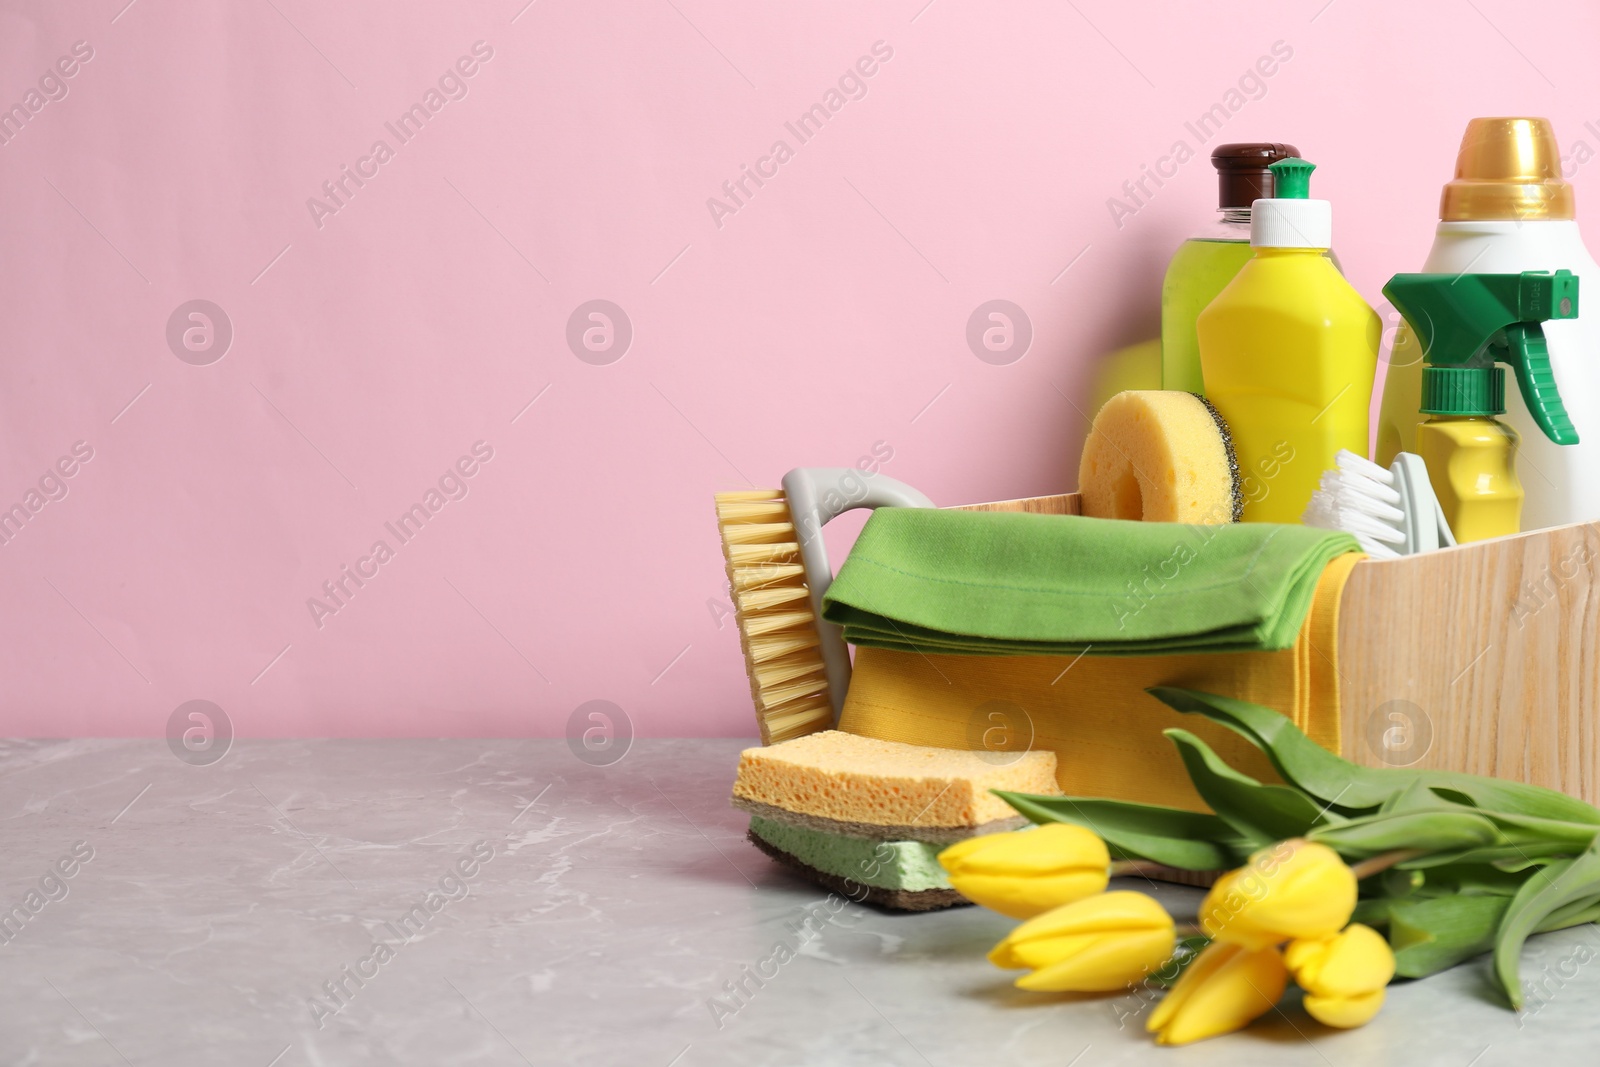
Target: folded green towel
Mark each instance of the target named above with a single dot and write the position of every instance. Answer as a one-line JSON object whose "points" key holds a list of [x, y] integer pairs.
{"points": [[1007, 583]]}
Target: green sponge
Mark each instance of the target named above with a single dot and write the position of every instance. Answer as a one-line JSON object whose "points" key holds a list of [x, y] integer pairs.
{"points": [[907, 865]]}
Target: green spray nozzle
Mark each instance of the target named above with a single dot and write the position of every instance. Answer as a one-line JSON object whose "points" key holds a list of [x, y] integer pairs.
{"points": [[1291, 178], [1467, 323]]}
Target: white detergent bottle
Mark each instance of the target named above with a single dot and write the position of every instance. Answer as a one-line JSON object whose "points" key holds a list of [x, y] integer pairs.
{"points": [[1507, 211]]}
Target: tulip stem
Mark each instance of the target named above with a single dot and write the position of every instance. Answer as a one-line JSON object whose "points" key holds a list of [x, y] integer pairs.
{"points": [[1377, 864]]}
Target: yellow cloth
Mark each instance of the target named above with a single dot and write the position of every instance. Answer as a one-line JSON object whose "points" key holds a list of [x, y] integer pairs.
{"points": [[1093, 712]]}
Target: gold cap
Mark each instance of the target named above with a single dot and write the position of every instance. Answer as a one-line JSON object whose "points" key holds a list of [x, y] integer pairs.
{"points": [[1507, 169]]}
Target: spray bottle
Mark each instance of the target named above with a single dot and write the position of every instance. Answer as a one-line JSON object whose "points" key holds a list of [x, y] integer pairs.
{"points": [[1465, 325], [1508, 210]]}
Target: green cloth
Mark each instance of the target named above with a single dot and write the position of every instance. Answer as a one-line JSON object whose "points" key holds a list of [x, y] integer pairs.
{"points": [[1008, 583]]}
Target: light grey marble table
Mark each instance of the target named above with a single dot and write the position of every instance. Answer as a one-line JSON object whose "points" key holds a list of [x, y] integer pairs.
{"points": [[209, 911]]}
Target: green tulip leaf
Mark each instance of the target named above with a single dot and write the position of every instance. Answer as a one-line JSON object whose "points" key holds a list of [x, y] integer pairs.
{"points": [[1468, 879], [1260, 813], [1351, 788], [1520, 862], [1418, 795], [1524, 838], [1429, 830], [1512, 798], [1298, 759], [1510, 856], [1543, 895], [1373, 912], [1430, 935], [1186, 839], [1577, 913], [1576, 836]]}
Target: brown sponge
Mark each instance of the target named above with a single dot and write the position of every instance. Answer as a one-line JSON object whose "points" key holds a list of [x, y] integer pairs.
{"points": [[1162, 456]]}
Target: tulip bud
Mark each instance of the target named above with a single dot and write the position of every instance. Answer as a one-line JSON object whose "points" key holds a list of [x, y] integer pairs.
{"points": [[1027, 872], [1344, 976], [1095, 945], [1295, 889], [1226, 988]]}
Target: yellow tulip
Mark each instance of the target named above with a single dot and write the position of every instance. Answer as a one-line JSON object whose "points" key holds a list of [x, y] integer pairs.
{"points": [[1095, 945], [1027, 872], [1228, 987], [1344, 976], [1295, 889]]}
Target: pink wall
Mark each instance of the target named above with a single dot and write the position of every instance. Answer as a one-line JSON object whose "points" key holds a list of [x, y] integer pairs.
{"points": [[373, 346]]}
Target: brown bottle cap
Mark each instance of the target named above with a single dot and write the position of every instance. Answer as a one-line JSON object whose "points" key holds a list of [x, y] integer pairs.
{"points": [[1242, 174], [1508, 169]]}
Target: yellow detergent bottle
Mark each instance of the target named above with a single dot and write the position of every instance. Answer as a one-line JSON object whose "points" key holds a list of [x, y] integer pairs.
{"points": [[1472, 463], [1288, 351], [1465, 325]]}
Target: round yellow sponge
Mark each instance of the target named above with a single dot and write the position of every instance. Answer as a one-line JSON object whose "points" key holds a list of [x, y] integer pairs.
{"points": [[1162, 456]]}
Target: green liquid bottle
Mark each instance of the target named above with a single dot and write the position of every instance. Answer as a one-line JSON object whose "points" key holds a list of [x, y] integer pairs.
{"points": [[1201, 268], [1207, 262]]}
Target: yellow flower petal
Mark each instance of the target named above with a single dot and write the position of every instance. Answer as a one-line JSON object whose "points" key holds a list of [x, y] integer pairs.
{"points": [[1120, 910], [1232, 988], [1304, 956], [1356, 962], [1344, 976], [1043, 951], [1105, 962], [1345, 1012], [1025, 897], [1061, 931], [1295, 889], [1212, 957], [1047, 848], [958, 852]]}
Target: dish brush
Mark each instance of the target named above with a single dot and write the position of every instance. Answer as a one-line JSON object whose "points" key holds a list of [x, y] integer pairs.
{"points": [[1392, 511], [778, 572]]}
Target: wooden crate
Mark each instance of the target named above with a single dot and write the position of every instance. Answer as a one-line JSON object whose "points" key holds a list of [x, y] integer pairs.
{"points": [[1482, 658]]}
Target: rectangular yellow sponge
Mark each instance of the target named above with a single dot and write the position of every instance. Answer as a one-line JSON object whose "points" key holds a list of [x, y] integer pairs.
{"points": [[849, 778]]}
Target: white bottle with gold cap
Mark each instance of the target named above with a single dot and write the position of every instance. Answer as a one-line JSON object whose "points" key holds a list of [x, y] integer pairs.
{"points": [[1508, 210]]}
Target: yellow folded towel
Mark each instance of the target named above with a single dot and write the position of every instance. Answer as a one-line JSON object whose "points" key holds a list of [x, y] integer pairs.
{"points": [[1093, 711]]}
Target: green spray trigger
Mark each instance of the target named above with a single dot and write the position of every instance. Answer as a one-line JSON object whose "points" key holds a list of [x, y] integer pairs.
{"points": [[1467, 323]]}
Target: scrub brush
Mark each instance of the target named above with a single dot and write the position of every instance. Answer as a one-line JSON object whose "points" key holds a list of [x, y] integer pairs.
{"points": [[778, 571], [1392, 511]]}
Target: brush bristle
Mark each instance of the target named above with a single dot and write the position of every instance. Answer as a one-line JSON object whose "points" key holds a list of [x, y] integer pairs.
{"points": [[772, 606], [1358, 497]]}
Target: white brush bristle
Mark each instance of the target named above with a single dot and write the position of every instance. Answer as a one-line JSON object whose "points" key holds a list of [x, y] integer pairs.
{"points": [[1359, 498]]}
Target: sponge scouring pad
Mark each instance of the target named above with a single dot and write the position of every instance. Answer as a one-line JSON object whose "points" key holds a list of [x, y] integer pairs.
{"points": [[1161, 456], [885, 784], [867, 818]]}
